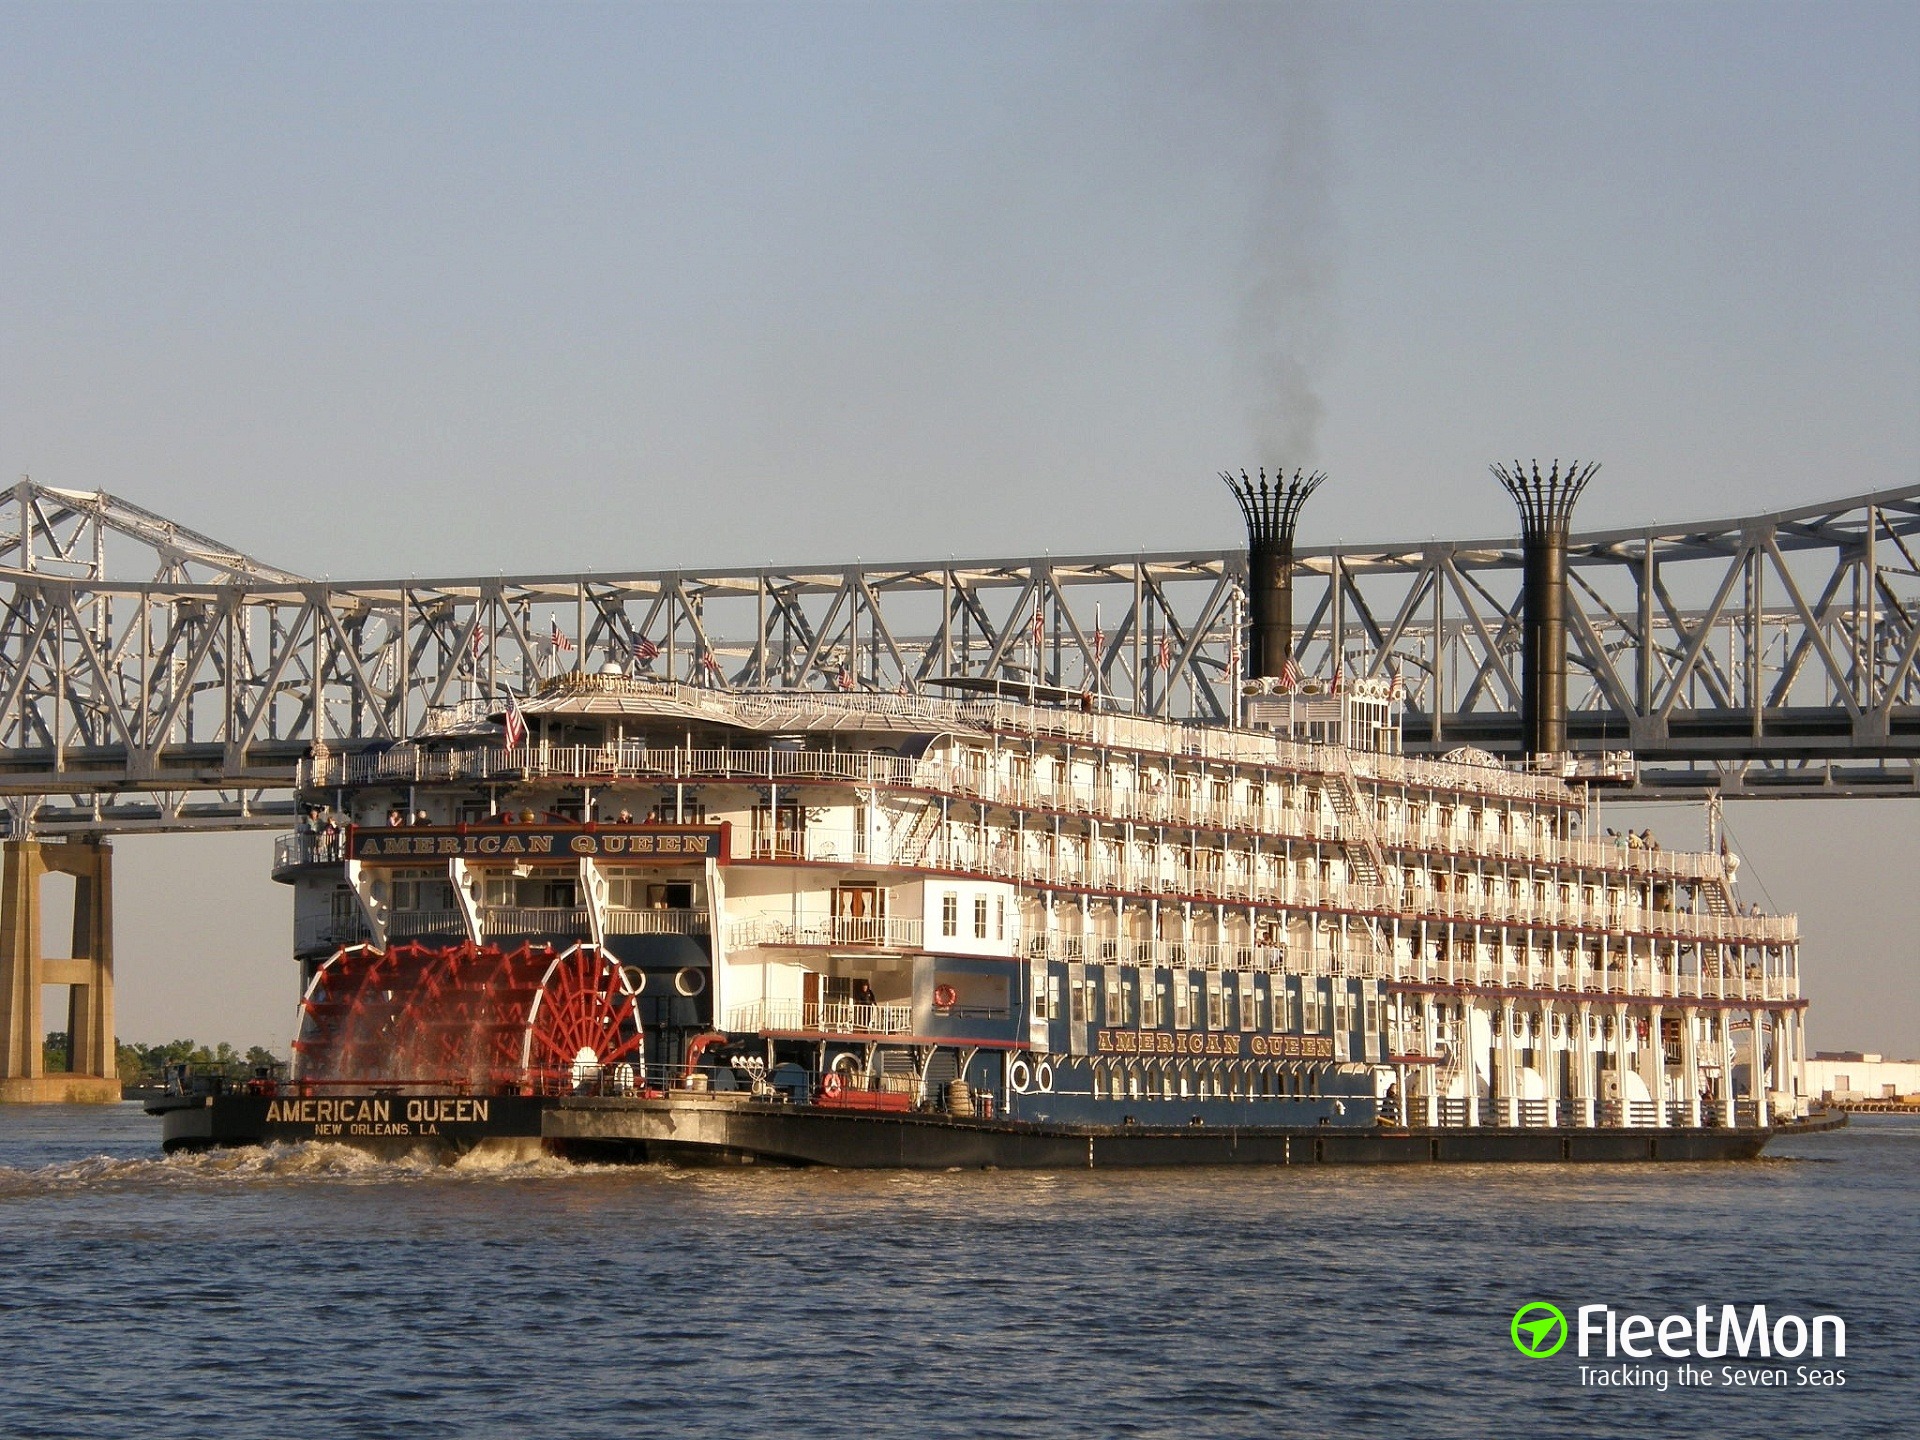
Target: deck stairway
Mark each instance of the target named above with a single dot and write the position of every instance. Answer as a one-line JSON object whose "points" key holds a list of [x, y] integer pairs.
{"points": [[919, 839], [1361, 843]]}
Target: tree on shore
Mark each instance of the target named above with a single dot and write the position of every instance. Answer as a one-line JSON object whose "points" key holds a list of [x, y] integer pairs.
{"points": [[147, 1064]]}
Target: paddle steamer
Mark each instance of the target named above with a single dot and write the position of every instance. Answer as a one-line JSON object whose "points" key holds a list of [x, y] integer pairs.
{"points": [[632, 916]]}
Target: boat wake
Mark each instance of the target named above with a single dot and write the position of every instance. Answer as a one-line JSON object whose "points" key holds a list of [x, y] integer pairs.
{"points": [[317, 1162]]}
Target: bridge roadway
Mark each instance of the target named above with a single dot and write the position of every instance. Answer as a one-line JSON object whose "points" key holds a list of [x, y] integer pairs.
{"points": [[1763, 655]]}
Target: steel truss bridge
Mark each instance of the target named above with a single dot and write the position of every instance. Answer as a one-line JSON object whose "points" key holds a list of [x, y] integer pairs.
{"points": [[1765, 655]]}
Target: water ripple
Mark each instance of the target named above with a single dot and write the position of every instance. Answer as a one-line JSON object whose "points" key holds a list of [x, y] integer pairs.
{"points": [[314, 1291]]}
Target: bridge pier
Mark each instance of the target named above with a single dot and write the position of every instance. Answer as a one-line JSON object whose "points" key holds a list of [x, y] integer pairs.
{"points": [[92, 1074]]}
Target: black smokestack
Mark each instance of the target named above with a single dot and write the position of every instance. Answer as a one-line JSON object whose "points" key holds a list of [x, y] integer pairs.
{"points": [[1546, 514], [1272, 509]]}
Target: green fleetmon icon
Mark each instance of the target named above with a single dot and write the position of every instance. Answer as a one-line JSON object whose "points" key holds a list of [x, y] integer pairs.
{"points": [[1539, 1330]]}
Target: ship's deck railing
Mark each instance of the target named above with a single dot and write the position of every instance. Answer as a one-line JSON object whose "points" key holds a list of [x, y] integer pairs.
{"points": [[826, 1017], [801, 711], [1034, 860], [533, 920], [426, 922], [888, 932], [656, 922], [1152, 801], [1640, 980], [323, 930], [308, 848]]}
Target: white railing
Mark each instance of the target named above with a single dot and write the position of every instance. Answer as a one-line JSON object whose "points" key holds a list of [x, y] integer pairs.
{"points": [[829, 1017], [1148, 800], [426, 922], [304, 848], [533, 920], [312, 932], [656, 922], [881, 932]]}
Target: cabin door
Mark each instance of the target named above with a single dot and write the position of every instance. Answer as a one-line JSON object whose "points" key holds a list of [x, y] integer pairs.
{"points": [[856, 915]]}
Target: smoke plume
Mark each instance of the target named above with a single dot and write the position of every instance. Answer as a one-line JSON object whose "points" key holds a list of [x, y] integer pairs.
{"points": [[1284, 332]]}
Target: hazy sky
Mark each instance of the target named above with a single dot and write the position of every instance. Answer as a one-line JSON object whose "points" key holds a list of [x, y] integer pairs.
{"points": [[468, 289]]}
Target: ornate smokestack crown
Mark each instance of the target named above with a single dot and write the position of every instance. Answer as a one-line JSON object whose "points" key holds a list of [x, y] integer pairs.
{"points": [[1545, 501], [1272, 508]]}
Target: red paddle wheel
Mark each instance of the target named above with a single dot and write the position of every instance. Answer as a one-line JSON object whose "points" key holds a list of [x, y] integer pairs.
{"points": [[467, 1018]]}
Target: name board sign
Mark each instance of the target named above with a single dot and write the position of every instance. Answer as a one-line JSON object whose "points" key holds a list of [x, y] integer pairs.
{"points": [[459, 1119], [1160, 1042], [656, 844]]}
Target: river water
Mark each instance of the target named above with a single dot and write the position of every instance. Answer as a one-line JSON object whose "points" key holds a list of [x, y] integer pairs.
{"points": [[314, 1292]]}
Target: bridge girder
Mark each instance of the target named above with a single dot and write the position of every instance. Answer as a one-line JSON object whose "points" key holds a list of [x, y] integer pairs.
{"points": [[1770, 654]]}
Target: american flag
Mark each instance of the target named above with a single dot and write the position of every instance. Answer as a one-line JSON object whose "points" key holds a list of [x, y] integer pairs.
{"points": [[1398, 688], [516, 724], [1289, 674], [479, 642], [1339, 679], [1163, 657], [644, 649], [709, 662], [1039, 625], [560, 642], [845, 680]]}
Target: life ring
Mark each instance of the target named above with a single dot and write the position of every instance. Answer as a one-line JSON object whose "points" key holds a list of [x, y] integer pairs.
{"points": [[1020, 1076], [1043, 1077], [944, 996], [833, 1084], [690, 981]]}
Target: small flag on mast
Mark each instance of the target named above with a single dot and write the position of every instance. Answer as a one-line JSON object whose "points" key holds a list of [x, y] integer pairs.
{"points": [[516, 724], [1289, 674], [560, 641], [645, 650]]}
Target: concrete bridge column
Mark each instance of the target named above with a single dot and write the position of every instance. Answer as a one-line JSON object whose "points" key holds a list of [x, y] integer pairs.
{"points": [[92, 1073]]}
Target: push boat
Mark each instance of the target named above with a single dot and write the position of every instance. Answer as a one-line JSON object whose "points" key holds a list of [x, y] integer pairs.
{"points": [[635, 918]]}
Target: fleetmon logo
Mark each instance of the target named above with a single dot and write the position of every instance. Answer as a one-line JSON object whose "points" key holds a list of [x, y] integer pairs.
{"points": [[1539, 1330]]}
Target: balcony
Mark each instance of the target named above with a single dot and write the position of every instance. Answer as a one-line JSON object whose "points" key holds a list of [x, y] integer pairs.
{"points": [[501, 921], [657, 922], [865, 931], [450, 924], [328, 932], [827, 1017], [299, 850]]}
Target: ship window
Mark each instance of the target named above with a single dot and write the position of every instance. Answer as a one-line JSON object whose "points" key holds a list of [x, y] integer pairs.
{"points": [[1216, 1003], [950, 913], [1000, 918], [1079, 1012], [979, 917]]}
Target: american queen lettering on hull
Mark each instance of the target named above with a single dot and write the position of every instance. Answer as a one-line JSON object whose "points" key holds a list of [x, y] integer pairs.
{"points": [[846, 927]]}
